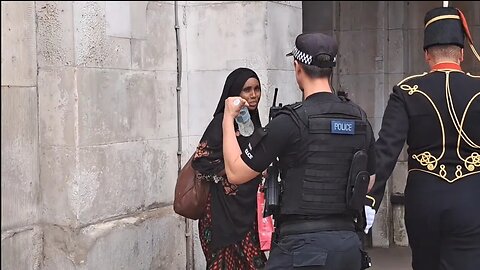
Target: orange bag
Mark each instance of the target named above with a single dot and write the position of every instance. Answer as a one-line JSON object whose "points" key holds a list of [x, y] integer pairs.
{"points": [[265, 225]]}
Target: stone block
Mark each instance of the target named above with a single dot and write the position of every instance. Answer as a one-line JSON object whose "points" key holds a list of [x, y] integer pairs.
{"points": [[22, 250], [362, 59], [396, 51], [108, 182], [93, 47], [166, 104], [159, 50], [361, 90], [404, 154], [57, 106], [117, 16], [414, 51], [151, 240], [204, 91], [55, 44], [190, 145], [382, 225], [396, 14], [159, 163], [236, 36], [20, 170], [57, 175], [199, 257], [318, 16], [19, 50], [109, 111], [288, 91], [358, 15], [138, 11], [118, 179], [400, 237], [284, 23], [399, 177], [295, 4]]}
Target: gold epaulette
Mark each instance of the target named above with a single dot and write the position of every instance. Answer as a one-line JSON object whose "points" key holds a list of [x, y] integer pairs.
{"points": [[411, 77]]}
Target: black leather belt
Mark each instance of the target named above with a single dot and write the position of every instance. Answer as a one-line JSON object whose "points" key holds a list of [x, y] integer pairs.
{"points": [[318, 225]]}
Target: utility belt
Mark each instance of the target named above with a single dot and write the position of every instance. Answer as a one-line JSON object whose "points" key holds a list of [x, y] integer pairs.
{"points": [[333, 223]]}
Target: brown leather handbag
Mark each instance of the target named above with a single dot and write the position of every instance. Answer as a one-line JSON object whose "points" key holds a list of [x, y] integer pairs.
{"points": [[191, 193]]}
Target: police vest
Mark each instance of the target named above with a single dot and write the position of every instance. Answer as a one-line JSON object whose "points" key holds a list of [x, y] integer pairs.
{"points": [[315, 183]]}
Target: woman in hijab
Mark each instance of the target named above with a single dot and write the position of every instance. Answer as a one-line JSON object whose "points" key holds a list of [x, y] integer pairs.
{"points": [[228, 230]]}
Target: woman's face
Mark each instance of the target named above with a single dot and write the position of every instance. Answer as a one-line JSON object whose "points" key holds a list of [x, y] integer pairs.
{"points": [[251, 93]]}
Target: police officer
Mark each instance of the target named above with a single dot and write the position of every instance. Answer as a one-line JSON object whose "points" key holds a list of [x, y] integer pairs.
{"points": [[438, 114], [315, 142]]}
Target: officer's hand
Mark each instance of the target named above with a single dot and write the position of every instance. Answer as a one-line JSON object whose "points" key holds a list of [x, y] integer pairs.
{"points": [[369, 216], [233, 106]]}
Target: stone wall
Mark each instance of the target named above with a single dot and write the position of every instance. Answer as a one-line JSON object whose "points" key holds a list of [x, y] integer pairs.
{"points": [[89, 121]]}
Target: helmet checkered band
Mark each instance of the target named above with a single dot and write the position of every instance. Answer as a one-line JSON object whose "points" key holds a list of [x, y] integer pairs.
{"points": [[301, 56]]}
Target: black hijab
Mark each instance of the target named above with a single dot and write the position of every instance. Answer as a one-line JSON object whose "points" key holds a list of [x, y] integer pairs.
{"points": [[212, 139], [232, 215]]}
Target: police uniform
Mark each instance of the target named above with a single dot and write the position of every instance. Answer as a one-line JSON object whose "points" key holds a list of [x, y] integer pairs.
{"points": [[438, 115], [315, 141]]}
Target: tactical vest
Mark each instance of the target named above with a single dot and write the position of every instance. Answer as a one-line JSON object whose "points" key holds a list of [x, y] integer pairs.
{"points": [[315, 183]]}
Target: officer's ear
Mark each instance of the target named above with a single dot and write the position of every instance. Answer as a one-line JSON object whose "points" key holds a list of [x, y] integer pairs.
{"points": [[461, 55], [297, 68], [428, 57]]}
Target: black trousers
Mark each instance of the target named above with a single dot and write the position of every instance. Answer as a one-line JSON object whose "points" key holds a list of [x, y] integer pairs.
{"points": [[326, 250], [443, 222]]}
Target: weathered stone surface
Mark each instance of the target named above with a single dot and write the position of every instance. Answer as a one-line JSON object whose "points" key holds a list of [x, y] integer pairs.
{"points": [[20, 183], [158, 51], [55, 45], [93, 47], [399, 177], [204, 91], [57, 106], [212, 43], [151, 240], [138, 11], [400, 237], [282, 27], [381, 234], [361, 89], [22, 249], [19, 57], [57, 173], [109, 111], [360, 15], [360, 58], [117, 17]]}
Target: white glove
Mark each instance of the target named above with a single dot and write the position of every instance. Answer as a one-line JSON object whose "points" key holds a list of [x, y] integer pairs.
{"points": [[369, 216]]}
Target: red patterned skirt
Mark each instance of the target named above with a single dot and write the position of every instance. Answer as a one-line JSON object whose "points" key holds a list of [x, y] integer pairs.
{"points": [[244, 255]]}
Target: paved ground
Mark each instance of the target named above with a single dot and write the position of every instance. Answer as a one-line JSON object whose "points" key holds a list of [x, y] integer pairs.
{"points": [[393, 258]]}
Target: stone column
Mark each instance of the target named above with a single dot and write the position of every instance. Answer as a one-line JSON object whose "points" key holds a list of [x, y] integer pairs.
{"points": [[21, 233]]}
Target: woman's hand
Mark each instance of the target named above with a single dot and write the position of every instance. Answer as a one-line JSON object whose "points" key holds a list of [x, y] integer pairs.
{"points": [[233, 106]]}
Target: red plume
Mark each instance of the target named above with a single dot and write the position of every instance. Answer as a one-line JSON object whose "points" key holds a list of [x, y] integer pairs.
{"points": [[465, 26]]}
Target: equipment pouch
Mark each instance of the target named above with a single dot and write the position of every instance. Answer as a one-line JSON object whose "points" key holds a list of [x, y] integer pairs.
{"points": [[358, 180]]}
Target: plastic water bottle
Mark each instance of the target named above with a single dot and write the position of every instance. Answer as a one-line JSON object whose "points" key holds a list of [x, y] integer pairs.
{"points": [[245, 124]]}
